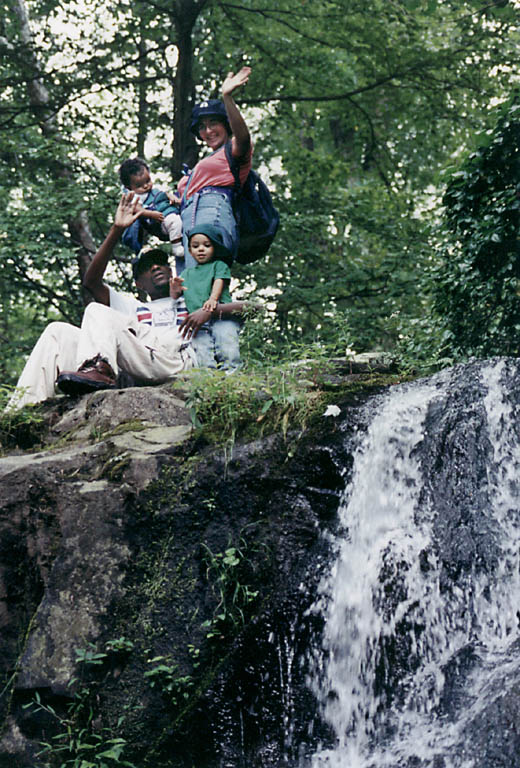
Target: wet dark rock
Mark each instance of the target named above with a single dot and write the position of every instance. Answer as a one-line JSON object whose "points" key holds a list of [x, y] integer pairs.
{"points": [[126, 529], [118, 528], [456, 673], [494, 736]]}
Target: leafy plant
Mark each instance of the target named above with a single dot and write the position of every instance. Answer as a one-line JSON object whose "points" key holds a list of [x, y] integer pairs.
{"points": [[254, 400], [81, 747], [22, 427], [79, 741], [164, 674], [120, 645], [224, 571], [89, 655]]}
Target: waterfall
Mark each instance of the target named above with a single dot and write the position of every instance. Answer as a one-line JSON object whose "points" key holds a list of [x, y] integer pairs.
{"points": [[416, 645]]}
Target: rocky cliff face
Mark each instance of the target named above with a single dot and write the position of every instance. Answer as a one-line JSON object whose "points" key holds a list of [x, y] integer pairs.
{"points": [[159, 598], [150, 586]]}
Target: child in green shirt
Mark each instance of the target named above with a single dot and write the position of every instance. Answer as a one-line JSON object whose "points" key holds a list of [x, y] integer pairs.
{"points": [[204, 286]]}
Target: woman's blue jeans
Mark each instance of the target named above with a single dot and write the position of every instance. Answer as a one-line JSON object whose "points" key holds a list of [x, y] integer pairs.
{"points": [[209, 206]]}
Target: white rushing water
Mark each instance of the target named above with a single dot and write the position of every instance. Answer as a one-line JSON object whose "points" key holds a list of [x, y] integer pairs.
{"points": [[382, 551]]}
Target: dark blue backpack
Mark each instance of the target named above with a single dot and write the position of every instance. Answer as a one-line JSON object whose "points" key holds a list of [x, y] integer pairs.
{"points": [[256, 216]]}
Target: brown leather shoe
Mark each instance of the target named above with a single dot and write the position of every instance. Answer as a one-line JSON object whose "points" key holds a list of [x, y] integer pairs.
{"points": [[92, 375]]}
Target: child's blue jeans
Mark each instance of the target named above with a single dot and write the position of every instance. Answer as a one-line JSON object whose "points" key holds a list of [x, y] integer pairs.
{"points": [[218, 345]]}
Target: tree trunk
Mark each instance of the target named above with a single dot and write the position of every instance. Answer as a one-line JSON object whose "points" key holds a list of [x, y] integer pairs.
{"points": [[184, 144], [142, 104], [78, 225]]}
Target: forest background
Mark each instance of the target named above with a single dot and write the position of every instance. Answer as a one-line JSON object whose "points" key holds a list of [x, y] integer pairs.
{"points": [[386, 129]]}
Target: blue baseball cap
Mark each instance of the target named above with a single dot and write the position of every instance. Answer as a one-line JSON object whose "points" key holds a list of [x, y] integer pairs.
{"points": [[209, 108]]}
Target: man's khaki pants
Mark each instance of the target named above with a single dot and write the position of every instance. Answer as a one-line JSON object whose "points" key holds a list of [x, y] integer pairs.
{"points": [[128, 345]]}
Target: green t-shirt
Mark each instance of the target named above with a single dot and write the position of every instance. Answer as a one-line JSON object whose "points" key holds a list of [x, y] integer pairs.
{"points": [[198, 282]]}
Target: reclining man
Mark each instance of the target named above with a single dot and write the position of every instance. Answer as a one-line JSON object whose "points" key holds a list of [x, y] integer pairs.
{"points": [[150, 340]]}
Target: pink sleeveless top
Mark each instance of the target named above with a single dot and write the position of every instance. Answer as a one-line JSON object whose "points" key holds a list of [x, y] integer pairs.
{"points": [[213, 171]]}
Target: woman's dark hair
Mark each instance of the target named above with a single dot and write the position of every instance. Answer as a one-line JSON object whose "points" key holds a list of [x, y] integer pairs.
{"points": [[131, 167]]}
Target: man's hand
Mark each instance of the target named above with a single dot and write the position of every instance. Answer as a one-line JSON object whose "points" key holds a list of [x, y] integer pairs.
{"points": [[176, 288], [191, 326], [128, 210]]}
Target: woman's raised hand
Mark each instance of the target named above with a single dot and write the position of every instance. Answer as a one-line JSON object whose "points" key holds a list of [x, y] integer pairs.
{"points": [[235, 81]]}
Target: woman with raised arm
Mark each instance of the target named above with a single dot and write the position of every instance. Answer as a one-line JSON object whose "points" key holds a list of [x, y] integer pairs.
{"points": [[208, 190]]}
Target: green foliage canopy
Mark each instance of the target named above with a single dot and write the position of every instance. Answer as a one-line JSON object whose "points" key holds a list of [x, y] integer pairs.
{"points": [[477, 283], [355, 108]]}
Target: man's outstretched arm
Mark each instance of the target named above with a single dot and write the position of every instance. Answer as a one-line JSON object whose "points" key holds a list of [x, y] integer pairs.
{"points": [[191, 325], [128, 210]]}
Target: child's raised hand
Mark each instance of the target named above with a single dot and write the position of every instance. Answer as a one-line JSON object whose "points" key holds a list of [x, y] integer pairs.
{"points": [[210, 305], [176, 287]]}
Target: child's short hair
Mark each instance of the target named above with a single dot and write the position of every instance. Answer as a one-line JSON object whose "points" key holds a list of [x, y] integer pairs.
{"points": [[131, 167]]}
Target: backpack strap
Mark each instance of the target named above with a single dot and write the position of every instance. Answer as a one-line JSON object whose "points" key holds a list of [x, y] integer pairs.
{"points": [[234, 167], [189, 173], [151, 200], [184, 198]]}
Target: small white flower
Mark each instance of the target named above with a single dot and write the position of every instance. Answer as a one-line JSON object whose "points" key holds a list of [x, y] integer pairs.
{"points": [[332, 410]]}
